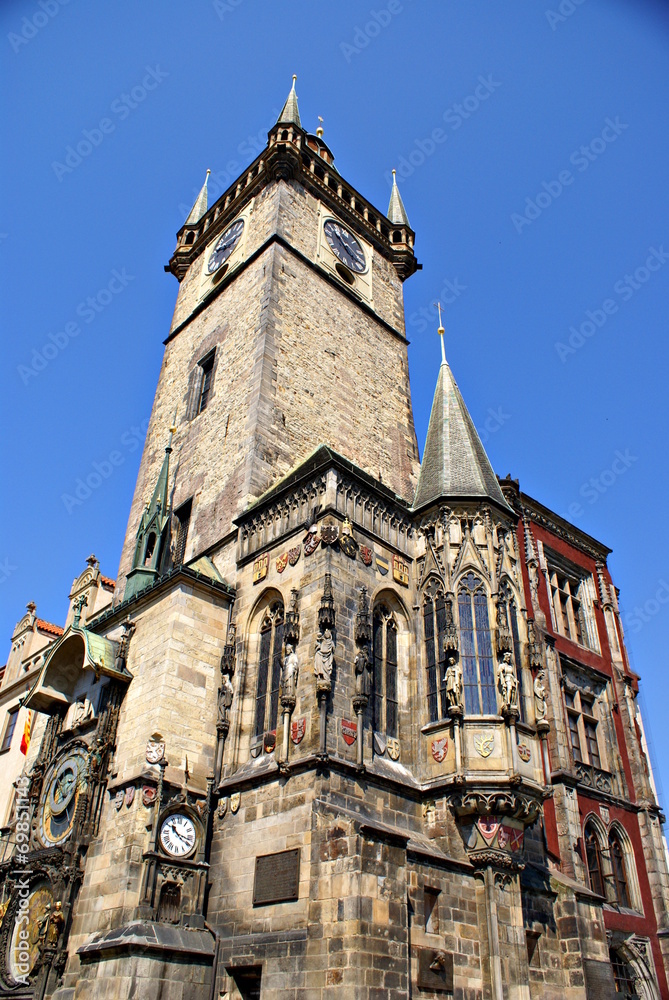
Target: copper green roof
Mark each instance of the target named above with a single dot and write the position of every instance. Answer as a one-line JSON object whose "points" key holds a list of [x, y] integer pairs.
{"points": [[454, 461]]}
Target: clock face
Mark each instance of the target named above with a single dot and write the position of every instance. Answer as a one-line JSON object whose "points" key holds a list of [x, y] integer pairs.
{"points": [[225, 246], [177, 835], [345, 246], [62, 787], [23, 945]]}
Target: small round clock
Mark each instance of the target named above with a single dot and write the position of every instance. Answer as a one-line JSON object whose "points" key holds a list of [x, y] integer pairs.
{"points": [[62, 787], [225, 246], [177, 835], [345, 246]]}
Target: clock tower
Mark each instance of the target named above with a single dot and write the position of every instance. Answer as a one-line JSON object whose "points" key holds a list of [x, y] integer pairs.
{"points": [[352, 726]]}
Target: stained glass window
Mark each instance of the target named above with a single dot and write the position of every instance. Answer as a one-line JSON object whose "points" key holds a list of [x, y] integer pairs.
{"points": [[476, 648]]}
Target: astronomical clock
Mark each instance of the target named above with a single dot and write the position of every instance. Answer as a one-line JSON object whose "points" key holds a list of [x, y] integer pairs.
{"points": [[58, 805]]}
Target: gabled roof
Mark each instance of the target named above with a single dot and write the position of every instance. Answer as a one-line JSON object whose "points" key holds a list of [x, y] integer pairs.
{"points": [[48, 627], [454, 461]]}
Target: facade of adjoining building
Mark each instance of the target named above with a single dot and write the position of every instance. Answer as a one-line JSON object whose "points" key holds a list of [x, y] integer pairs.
{"points": [[353, 725]]}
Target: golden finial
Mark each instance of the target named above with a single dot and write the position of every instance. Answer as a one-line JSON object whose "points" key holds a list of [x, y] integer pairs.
{"points": [[319, 130], [207, 177], [441, 333], [173, 426]]}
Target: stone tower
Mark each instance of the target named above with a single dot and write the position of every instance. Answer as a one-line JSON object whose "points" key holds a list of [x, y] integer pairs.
{"points": [[353, 726]]}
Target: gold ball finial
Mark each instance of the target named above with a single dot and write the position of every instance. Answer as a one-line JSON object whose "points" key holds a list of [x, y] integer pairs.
{"points": [[294, 78], [394, 172], [441, 332], [319, 130], [208, 171]]}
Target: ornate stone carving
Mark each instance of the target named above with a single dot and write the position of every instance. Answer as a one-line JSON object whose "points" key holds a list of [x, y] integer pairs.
{"points": [[289, 676], [508, 682], [453, 682], [324, 659], [326, 611], [291, 628], [539, 697]]}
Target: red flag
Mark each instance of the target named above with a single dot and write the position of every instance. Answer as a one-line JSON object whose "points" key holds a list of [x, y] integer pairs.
{"points": [[25, 739]]}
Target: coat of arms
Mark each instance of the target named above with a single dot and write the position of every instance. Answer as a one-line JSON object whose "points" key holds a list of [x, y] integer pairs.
{"points": [[223, 804], [256, 746], [515, 838], [524, 752], [297, 730], [311, 542], [380, 744], [382, 565], [440, 749], [235, 800], [294, 555], [348, 545], [155, 751], [393, 748], [260, 567], [488, 827], [129, 795], [149, 794], [269, 741], [401, 571], [329, 533], [282, 562], [349, 731], [484, 744], [118, 798], [366, 554]]}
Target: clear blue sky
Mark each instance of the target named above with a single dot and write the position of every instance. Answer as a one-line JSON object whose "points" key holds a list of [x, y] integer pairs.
{"points": [[514, 90]]}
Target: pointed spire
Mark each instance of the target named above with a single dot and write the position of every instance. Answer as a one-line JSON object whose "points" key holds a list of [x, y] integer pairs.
{"points": [[290, 114], [200, 206], [396, 210], [454, 461]]}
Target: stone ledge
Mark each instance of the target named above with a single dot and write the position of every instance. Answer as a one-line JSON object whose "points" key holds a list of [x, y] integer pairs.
{"points": [[144, 935]]}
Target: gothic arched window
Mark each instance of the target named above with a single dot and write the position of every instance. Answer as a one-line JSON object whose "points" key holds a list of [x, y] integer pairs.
{"points": [[478, 673], [594, 859], [435, 620], [624, 976], [385, 671], [269, 668], [617, 855]]}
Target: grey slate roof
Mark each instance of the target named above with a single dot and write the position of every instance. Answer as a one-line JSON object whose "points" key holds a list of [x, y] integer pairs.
{"points": [[396, 210], [454, 461], [200, 206], [290, 113]]}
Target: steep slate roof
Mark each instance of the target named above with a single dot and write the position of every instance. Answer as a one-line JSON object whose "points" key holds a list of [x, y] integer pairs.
{"points": [[454, 461], [396, 210], [290, 114], [200, 205]]}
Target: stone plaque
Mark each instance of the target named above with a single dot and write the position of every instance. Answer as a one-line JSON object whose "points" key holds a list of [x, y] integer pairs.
{"points": [[599, 984], [277, 878], [435, 970]]}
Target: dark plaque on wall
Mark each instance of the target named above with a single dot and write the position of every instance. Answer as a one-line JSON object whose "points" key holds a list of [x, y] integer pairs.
{"points": [[435, 970], [277, 878], [599, 984]]}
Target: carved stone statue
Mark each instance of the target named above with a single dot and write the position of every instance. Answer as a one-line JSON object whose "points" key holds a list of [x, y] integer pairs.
{"points": [[225, 694], [81, 711], [539, 697], [324, 657], [54, 926], [508, 682], [363, 673], [453, 682], [95, 758], [290, 673]]}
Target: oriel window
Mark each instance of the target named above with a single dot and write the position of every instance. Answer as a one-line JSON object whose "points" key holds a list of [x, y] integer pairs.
{"points": [[434, 628], [269, 669], [478, 673]]}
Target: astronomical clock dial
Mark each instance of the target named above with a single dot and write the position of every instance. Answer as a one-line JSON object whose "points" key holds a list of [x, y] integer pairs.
{"points": [[177, 835], [63, 785], [345, 246], [23, 945], [225, 246]]}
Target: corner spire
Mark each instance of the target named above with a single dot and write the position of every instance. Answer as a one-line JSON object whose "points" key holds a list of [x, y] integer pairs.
{"points": [[200, 206], [290, 114], [396, 210], [454, 461]]}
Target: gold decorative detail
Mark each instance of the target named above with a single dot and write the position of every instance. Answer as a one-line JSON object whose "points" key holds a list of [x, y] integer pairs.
{"points": [[484, 744]]}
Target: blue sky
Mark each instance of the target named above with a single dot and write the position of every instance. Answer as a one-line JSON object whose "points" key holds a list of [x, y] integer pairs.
{"points": [[531, 146]]}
